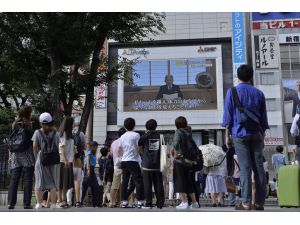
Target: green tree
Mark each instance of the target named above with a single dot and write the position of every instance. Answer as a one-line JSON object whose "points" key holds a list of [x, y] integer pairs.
{"points": [[57, 40]]}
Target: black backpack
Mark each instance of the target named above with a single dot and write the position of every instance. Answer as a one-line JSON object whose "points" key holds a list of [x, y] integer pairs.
{"points": [[78, 143], [193, 153], [49, 150], [19, 139]]}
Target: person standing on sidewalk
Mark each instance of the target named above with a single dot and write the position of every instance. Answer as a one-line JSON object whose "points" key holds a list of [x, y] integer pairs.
{"points": [[183, 174], [46, 176], [246, 124], [116, 184], [149, 145], [90, 178], [66, 146], [22, 161], [128, 148]]}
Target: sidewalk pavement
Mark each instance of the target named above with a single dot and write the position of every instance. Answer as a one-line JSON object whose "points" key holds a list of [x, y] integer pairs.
{"points": [[165, 209]]}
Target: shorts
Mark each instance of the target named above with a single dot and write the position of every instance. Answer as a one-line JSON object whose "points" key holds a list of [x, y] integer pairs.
{"points": [[77, 174], [107, 188], [116, 184]]}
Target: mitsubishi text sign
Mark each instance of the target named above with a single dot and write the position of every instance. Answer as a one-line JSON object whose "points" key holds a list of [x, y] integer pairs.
{"points": [[238, 43]]}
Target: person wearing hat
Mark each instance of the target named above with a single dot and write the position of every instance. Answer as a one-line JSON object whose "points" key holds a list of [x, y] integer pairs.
{"points": [[90, 179], [46, 176]]}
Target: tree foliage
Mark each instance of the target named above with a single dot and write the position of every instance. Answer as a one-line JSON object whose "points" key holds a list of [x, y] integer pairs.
{"points": [[36, 49]]}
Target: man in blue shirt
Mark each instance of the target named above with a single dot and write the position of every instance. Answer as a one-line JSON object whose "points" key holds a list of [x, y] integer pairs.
{"points": [[248, 144]]}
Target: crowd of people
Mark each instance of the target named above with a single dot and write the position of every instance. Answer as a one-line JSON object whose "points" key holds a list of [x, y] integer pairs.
{"points": [[127, 172]]}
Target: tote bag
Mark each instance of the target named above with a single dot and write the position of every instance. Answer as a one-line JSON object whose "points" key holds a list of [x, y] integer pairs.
{"points": [[163, 155]]}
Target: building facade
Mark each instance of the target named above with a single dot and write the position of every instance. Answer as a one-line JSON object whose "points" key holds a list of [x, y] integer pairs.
{"points": [[196, 50], [276, 60]]}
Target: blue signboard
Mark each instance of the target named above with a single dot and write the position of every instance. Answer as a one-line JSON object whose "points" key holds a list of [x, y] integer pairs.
{"points": [[259, 16], [238, 37], [238, 42]]}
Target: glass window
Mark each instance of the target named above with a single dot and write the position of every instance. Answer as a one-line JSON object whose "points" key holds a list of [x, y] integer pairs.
{"points": [[159, 69], [142, 73], [178, 68]]}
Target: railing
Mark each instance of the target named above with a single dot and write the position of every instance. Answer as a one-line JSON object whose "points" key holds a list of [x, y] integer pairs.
{"points": [[4, 173]]}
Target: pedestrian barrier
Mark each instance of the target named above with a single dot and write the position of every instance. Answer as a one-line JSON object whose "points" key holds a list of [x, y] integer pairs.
{"points": [[4, 173]]}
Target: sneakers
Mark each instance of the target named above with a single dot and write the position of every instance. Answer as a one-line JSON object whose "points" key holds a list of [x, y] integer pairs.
{"points": [[78, 205], [53, 206], [140, 204], [125, 204], [183, 205], [38, 206], [194, 206]]}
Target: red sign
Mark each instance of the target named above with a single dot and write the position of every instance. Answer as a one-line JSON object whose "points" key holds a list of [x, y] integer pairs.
{"points": [[276, 24]]}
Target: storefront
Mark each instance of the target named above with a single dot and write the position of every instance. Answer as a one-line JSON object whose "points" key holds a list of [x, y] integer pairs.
{"points": [[276, 54]]}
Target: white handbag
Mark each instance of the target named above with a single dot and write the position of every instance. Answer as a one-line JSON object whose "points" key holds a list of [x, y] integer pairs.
{"points": [[163, 155], [213, 155]]}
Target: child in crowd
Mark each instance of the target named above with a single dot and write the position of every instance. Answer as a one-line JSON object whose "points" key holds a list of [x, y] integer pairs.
{"points": [[90, 179], [106, 173]]}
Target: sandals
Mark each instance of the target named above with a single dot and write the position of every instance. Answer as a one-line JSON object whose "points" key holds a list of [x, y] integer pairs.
{"points": [[242, 207], [258, 207]]}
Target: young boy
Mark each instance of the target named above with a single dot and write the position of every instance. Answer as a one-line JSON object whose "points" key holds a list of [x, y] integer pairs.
{"points": [[279, 159], [90, 179], [106, 173], [149, 145], [128, 148]]}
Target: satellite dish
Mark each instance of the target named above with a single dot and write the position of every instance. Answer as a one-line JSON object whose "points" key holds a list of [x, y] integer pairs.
{"points": [[204, 80]]}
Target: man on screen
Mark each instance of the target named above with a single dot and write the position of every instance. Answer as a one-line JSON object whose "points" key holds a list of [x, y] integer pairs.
{"points": [[169, 91]]}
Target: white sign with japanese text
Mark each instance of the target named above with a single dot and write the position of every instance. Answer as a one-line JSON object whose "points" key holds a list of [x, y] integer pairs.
{"points": [[289, 38], [100, 99], [266, 51]]}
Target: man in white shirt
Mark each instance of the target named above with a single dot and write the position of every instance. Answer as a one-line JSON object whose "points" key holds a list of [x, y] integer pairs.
{"points": [[128, 147]]}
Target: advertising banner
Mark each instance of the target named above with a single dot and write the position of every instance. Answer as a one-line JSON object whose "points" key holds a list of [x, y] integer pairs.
{"points": [[266, 51], [238, 43]]}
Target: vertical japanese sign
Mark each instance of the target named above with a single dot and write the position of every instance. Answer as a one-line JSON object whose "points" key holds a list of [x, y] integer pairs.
{"points": [[266, 51], [100, 93], [238, 43]]}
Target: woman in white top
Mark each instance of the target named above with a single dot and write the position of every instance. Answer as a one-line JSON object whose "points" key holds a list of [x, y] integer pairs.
{"points": [[66, 148]]}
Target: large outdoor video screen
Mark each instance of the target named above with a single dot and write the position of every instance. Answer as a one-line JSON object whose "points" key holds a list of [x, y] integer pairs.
{"points": [[175, 84]]}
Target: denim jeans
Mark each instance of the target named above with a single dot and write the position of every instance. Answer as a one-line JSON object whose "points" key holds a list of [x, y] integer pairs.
{"points": [[232, 199], [249, 152], [14, 183]]}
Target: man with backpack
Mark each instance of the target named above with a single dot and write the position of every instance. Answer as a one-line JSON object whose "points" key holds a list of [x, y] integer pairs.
{"points": [[245, 120]]}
